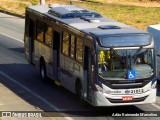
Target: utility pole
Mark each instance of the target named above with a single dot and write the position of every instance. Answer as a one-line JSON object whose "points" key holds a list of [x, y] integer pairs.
{"points": [[42, 2]]}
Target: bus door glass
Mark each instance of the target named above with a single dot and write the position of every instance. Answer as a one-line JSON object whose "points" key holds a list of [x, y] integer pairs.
{"points": [[88, 67], [56, 48]]}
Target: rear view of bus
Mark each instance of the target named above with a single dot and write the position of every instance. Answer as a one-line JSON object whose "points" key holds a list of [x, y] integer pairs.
{"points": [[126, 68]]}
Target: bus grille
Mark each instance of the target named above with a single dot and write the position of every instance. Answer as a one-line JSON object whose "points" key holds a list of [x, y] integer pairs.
{"points": [[126, 85]]}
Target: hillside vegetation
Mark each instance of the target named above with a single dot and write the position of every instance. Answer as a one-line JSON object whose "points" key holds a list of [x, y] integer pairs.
{"points": [[137, 13]]}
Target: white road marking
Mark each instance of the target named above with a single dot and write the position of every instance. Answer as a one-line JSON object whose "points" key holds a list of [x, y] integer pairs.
{"points": [[12, 37], [156, 106], [36, 95]]}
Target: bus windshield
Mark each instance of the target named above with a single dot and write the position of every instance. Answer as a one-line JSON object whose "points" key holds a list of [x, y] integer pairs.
{"points": [[114, 64]]}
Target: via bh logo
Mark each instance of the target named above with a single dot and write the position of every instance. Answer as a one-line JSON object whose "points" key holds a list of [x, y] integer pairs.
{"points": [[131, 74]]}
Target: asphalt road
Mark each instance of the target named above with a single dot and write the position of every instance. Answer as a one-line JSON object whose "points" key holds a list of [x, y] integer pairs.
{"points": [[24, 80], [12, 26]]}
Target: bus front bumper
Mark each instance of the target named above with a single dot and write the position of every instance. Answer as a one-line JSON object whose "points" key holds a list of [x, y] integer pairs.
{"points": [[103, 99]]}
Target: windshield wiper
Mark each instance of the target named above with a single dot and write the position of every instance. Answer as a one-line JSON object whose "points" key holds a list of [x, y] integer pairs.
{"points": [[137, 52]]}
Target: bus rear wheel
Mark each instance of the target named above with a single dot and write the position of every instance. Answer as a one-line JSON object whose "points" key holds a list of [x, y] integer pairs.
{"points": [[43, 71]]}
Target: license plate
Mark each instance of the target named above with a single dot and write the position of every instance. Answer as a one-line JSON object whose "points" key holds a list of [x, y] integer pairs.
{"points": [[127, 98]]}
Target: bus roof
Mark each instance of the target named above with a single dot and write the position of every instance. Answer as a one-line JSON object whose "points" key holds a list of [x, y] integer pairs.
{"points": [[85, 20]]}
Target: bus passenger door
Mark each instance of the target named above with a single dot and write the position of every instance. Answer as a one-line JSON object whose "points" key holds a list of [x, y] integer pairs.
{"points": [[88, 69], [31, 40], [56, 48]]}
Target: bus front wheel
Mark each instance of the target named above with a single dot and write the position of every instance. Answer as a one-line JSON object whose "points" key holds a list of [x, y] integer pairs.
{"points": [[80, 95]]}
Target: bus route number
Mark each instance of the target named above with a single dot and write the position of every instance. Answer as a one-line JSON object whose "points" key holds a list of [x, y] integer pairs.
{"points": [[137, 91]]}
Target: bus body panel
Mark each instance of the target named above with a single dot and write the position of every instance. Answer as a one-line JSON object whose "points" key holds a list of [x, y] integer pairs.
{"points": [[69, 72], [26, 45], [45, 52], [155, 31]]}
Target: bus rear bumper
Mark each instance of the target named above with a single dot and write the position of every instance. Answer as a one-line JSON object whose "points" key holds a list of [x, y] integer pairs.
{"points": [[103, 100]]}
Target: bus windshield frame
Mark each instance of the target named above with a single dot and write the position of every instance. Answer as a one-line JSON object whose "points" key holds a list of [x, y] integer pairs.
{"points": [[113, 64]]}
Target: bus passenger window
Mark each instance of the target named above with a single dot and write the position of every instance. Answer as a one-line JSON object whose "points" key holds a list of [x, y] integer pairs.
{"points": [[79, 50], [65, 43], [48, 35], [40, 31]]}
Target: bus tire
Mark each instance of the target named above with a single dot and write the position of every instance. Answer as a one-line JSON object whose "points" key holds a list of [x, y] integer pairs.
{"points": [[43, 71], [79, 93]]}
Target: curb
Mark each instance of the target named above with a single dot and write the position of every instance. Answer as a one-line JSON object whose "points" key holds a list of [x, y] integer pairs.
{"points": [[14, 14]]}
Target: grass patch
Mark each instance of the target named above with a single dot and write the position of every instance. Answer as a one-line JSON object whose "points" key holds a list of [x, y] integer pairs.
{"points": [[136, 16], [15, 6], [139, 17]]}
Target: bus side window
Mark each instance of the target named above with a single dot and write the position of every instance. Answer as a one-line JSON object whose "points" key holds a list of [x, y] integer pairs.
{"points": [[65, 43], [40, 31], [48, 35], [79, 49]]}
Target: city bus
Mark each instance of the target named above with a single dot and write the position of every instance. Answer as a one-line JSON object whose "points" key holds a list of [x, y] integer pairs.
{"points": [[102, 61]]}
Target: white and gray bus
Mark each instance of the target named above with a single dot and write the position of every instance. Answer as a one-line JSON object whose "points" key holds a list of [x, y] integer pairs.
{"points": [[104, 62]]}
